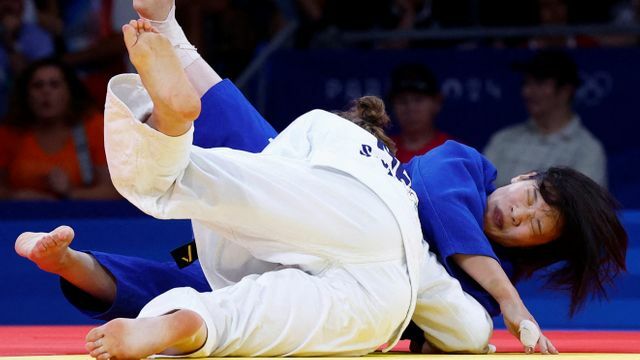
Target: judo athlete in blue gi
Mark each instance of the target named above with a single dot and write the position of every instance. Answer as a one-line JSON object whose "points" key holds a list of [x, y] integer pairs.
{"points": [[459, 210]]}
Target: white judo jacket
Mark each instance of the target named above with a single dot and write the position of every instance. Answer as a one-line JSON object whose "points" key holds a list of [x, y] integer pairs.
{"points": [[160, 175]]}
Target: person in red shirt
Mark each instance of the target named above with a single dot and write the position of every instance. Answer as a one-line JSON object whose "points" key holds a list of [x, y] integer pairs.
{"points": [[52, 145], [416, 101]]}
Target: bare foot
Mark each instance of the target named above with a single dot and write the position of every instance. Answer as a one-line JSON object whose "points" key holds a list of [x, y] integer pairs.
{"points": [[176, 103], [156, 10], [178, 333], [50, 251]]}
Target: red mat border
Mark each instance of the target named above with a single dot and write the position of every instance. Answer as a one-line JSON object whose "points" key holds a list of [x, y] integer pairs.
{"points": [[69, 340]]}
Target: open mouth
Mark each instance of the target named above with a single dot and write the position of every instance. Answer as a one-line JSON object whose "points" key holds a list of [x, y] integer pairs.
{"points": [[498, 218]]}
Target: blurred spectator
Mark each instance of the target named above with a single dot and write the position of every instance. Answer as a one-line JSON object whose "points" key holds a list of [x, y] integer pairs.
{"points": [[508, 13], [557, 13], [227, 32], [625, 13], [88, 37], [52, 146], [554, 134], [21, 41], [428, 14], [416, 101], [319, 19]]}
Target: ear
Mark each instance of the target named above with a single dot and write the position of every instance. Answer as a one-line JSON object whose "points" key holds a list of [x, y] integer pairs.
{"points": [[522, 177]]}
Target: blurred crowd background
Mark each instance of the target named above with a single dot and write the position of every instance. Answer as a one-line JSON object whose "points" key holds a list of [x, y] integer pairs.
{"points": [[532, 83]]}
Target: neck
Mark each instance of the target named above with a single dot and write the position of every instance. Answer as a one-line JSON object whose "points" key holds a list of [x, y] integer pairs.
{"points": [[554, 121]]}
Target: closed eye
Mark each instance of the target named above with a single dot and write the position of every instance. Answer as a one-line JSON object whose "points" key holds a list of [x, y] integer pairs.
{"points": [[539, 227]]}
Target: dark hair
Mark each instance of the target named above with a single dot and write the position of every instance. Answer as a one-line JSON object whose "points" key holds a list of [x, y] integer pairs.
{"points": [[551, 64], [592, 246], [413, 77], [368, 113], [20, 113]]}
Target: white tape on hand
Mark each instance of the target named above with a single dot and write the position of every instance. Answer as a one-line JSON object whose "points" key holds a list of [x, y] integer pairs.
{"points": [[529, 334]]}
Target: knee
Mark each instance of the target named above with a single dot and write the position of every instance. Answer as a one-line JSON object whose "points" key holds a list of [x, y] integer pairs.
{"points": [[477, 339], [472, 337]]}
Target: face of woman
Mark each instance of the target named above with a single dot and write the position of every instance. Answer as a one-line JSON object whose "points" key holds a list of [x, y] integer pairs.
{"points": [[48, 93], [518, 216], [416, 111]]}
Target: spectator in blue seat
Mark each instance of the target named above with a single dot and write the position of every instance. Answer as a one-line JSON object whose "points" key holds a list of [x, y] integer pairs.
{"points": [[554, 134]]}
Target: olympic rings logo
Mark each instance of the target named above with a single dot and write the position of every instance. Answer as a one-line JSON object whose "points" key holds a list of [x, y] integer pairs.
{"points": [[595, 88]]}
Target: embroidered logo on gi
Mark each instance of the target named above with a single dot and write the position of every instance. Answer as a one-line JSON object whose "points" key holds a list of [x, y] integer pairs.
{"points": [[393, 166], [185, 255], [389, 162]]}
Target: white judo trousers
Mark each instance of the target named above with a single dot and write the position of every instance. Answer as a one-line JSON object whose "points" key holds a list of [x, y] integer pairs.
{"points": [[313, 246]]}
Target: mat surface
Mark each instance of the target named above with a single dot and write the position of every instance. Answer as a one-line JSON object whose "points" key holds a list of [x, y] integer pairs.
{"points": [[402, 356], [69, 340]]}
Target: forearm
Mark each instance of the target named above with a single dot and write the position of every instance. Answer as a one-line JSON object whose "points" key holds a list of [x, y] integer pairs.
{"points": [[488, 273]]}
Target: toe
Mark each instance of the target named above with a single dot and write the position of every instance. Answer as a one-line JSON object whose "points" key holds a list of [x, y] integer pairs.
{"points": [[22, 243], [49, 240], [42, 244], [90, 346], [64, 231], [96, 353], [146, 25], [104, 356], [95, 334], [130, 34]]}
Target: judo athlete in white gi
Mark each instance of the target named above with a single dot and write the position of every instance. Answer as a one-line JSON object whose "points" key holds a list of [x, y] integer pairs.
{"points": [[324, 208]]}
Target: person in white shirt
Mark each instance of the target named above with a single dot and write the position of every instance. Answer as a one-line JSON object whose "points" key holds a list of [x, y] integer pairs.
{"points": [[554, 134]]}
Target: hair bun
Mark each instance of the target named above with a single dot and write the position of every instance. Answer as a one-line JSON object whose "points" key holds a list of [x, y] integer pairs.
{"points": [[371, 110], [368, 113]]}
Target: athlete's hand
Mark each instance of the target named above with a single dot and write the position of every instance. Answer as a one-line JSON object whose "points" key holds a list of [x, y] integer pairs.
{"points": [[523, 326], [546, 347]]}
